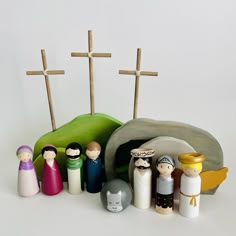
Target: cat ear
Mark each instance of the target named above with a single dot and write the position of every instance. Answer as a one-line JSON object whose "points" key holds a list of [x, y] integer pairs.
{"points": [[108, 193], [119, 193]]}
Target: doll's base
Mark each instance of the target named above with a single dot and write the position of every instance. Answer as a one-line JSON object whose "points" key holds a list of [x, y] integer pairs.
{"points": [[163, 211]]}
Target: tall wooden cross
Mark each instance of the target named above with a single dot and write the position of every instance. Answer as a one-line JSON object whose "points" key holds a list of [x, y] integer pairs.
{"points": [[90, 54], [137, 74], [46, 74]]}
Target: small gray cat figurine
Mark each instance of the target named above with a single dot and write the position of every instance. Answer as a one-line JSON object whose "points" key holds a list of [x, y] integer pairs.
{"points": [[114, 203], [116, 195]]}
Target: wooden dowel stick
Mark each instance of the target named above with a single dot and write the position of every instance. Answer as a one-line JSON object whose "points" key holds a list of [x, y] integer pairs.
{"points": [[90, 54], [48, 72], [97, 54], [55, 72], [39, 72], [137, 74], [48, 91], [91, 80], [94, 54], [149, 73], [127, 72], [137, 79], [79, 54], [138, 59], [133, 72]]}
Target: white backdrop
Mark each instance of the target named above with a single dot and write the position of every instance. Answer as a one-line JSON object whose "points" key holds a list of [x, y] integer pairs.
{"points": [[190, 43]]}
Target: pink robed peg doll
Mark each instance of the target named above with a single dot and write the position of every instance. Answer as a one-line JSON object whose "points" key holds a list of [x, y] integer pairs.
{"points": [[51, 176], [27, 183]]}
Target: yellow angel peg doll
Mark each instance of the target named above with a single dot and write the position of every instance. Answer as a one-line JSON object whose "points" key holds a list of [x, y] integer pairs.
{"points": [[190, 184]]}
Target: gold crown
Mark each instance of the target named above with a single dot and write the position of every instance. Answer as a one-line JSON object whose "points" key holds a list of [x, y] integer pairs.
{"points": [[191, 158]]}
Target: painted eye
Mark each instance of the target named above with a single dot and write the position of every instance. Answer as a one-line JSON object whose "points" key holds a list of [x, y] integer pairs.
{"points": [[110, 202], [168, 167], [117, 203]]}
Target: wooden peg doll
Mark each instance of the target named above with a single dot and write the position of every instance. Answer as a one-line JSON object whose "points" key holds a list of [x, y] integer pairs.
{"points": [[93, 168], [190, 184], [165, 185], [74, 168], [142, 158], [51, 176], [27, 184]]}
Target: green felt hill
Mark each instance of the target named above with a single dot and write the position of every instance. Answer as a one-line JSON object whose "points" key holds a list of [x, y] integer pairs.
{"points": [[83, 129]]}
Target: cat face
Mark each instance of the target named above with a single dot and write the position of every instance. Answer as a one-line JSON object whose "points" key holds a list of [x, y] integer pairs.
{"points": [[114, 203]]}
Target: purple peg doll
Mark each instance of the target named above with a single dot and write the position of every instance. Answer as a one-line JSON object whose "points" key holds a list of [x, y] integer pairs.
{"points": [[51, 176], [27, 183]]}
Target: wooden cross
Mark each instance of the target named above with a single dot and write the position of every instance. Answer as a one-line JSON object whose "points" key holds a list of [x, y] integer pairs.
{"points": [[90, 54], [137, 74], [46, 73]]}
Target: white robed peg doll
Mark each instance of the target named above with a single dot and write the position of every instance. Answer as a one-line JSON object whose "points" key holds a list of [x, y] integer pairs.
{"points": [[190, 184], [142, 177], [27, 183], [74, 168]]}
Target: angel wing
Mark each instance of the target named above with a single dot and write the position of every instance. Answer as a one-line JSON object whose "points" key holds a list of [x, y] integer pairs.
{"points": [[212, 178]]}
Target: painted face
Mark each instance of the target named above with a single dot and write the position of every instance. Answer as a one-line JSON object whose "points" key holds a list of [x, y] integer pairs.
{"points": [[92, 154], [114, 203], [142, 163], [191, 172], [49, 155], [72, 152], [165, 169], [25, 156]]}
